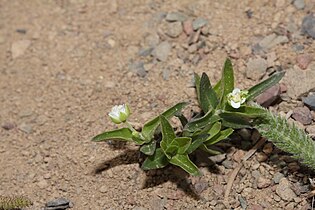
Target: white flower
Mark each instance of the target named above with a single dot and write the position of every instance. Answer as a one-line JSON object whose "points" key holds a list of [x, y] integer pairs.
{"points": [[237, 97], [119, 113]]}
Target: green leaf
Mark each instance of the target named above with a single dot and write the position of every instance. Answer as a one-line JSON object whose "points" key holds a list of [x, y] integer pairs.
{"points": [[227, 81], [219, 137], [200, 123], [150, 127], [264, 85], [185, 163], [208, 98], [148, 149], [182, 119], [168, 133], [215, 129], [178, 145], [209, 150], [196, 143], [158, 160], [234, 122], [197, 84], [183, 144], [123, 134], [246, 111], [217, 88]]}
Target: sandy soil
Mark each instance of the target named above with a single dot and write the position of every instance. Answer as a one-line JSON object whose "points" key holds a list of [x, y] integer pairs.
{"points": [[64, 64]]}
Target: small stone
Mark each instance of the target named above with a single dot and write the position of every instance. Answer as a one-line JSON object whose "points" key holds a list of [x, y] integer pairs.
{"points": [[310, 101], [227, 164], [103, 189], [268, 148], [201, 186], [277, 177], [256, 174], [218, 189], [311, 130], [299, 4], [174, 29], [242, 202], [218, 158], [304, 60], [58, 204], [256, 68], [194, 37], [162, 51], [308, 25], [261, 157], [152, 40], [138, 68], [302, 115], [198, 23], [145, 51], [263, 182], [188, 28], [25, 128], [245, 134], [8, 126], [238, 155], [272, 40], [18, 48], [270, 96], [42, 184], [175, 16], [256, 207], [284, 190], [293, 167]]}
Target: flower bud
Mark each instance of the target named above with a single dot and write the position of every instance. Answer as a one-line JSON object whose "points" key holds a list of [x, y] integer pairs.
{"points": [[119, 113]]}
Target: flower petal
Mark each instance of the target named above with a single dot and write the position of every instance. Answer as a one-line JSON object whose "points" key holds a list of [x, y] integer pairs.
{"points": [[235, 105]]}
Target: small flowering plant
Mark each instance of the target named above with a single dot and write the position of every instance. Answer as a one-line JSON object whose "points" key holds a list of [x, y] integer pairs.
{"points": [[224, 109]]}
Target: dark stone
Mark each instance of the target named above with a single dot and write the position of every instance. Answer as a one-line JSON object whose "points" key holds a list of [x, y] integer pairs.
{"points": [[58, 204], [310, 101], [308, 25]]}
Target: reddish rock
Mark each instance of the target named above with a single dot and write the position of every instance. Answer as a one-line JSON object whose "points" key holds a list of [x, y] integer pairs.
{"points": [[302, 115], [188, 28], [269, 96], [304, 60]]}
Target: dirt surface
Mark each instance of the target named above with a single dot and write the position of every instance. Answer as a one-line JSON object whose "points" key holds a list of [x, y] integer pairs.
{"points": [[64, 64]]}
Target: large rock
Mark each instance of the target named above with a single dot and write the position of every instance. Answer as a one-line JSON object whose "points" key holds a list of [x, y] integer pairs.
{"points": [[299, 82]]}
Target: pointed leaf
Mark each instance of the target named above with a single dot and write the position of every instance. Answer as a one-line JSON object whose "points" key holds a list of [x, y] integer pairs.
{"points": [[215, 129], [234, 122], [227, 81], [200, 123], [217, 88], [245, 111], [208, 150], [150, 127], [183, 144], [158, 160], [208, 98], [219, 137], [264, 85], [168, 133], [123, 134], [185, 163], [196, 143], [148, 149]]}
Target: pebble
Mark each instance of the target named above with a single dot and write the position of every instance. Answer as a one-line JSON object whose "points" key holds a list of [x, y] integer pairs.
{"points": [[310, 101], [227, 164], [8, 126], [174, 29], [284, 190], [302, 115], [256, 174], [194, 37], [304, 60], [261, 157], [27, 128], [308, 25], [138, 68], [311, 130], [256, 207], [103, 189], [162, 51], [145, 51], [271, 41], [270, 96], [268, 148], [218, 158], [293, 78], [256, 68], [201, 186], [238, 155], [58, 204], [175, 16], [243, 202], [277, 177], [299, 4], [42, 184], [188, 28], [152, 40], [263, 182], [199, 23], [18, 48]]}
